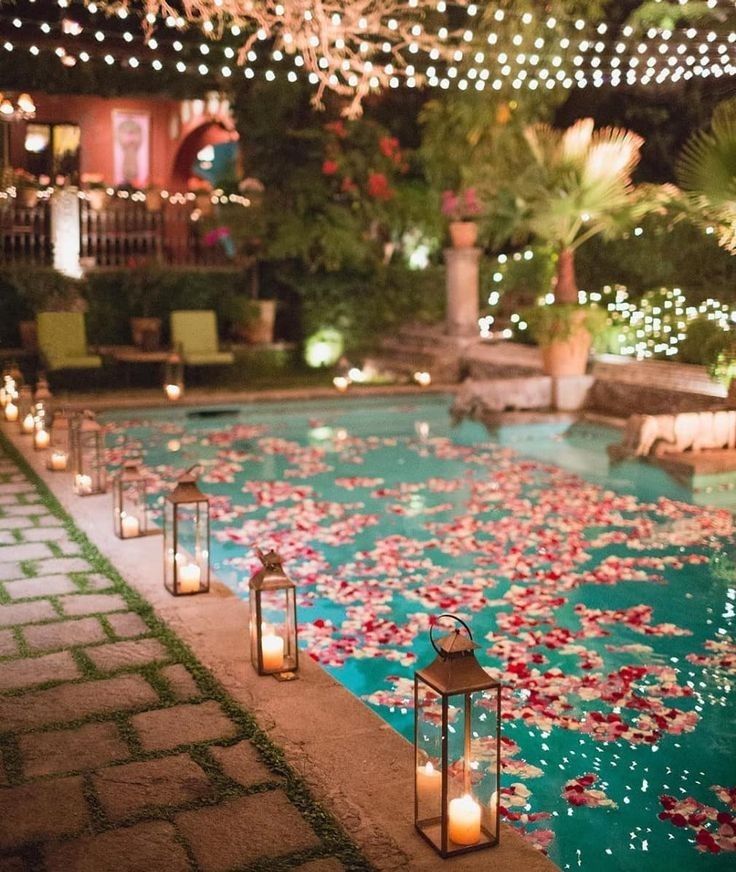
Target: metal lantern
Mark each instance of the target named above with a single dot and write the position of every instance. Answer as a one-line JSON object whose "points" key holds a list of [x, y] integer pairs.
{"points": [[129, 515], [26, 421], [88, 457], [42, 404], [187, 538], [457, 748], [59, 452], [174, 377], [273, 626]]}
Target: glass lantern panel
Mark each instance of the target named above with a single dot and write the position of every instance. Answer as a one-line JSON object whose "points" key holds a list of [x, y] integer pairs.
{"points": [[191, 547], [169, 537], [278, 637], [130, 515], [471, 753], [428, 761], [89, 470]]}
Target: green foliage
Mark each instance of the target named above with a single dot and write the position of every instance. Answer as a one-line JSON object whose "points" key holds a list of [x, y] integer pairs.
{"points": [[559, 321], [704, 342], [365, 306], [26, 291], [707, 171], [667, 14]]}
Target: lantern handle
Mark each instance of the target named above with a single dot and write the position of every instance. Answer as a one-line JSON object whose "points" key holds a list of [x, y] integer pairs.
{"points": [[454, 618]]}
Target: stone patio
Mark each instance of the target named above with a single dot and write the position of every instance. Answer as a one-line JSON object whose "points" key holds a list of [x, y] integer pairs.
{"points": [[118, 753]]}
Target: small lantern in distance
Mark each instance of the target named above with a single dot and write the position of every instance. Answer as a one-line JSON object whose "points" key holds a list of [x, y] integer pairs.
{"points": [[174, 377], [272, 598], [457, 745], [88, 456], [129, 515], [25, 417], [60, 447], [187, 538]]}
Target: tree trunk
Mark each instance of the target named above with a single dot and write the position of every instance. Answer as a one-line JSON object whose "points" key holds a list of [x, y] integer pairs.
{"points": [[566, 286]]}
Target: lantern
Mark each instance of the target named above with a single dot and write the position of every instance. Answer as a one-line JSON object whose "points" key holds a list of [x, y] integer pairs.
{"points": [[187, 538], [12, 379], [57, 459], [273, 627], [88, 456], [25, 411], [457, 744], [42, 400], [129, 515], [174, 377]]}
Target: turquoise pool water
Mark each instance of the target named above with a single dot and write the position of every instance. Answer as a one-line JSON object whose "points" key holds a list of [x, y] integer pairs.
{"points": [[605, 600]]}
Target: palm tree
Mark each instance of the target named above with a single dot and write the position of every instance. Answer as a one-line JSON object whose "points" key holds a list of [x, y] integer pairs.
{"points": [[577, 186], [706, 171]]}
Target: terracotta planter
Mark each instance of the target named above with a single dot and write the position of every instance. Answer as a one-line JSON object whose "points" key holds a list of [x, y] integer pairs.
{"points": [[463, 234], [258, 328], [28, 335], [28, 197], [146, 333], [97, 198], [568, 356]]}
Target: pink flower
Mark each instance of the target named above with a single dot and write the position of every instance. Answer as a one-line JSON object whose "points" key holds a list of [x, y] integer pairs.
{"points": [[330, 167]]}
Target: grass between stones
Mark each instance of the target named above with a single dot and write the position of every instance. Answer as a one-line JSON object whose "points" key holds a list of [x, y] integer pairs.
{"points": [[334, 841]]}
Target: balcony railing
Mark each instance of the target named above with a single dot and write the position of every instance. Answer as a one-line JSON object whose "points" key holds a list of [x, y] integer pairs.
{"points": [[120, 234]]}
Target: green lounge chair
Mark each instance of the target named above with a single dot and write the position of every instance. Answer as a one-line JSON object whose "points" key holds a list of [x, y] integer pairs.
{"points": [[194, 336], [62, 341]]}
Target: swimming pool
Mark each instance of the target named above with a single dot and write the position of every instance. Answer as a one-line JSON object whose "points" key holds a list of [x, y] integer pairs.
{"points": [[605, 600]]}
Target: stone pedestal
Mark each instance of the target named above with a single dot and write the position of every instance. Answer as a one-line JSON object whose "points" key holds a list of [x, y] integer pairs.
{"points": [[65, 237], [462, 291], [570, 392]]}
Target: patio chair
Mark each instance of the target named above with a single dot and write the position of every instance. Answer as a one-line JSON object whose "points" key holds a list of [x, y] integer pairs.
{"points": [[194, 336], [62, 341]]}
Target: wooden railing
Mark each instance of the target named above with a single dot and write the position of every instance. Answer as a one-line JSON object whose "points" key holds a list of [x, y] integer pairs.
{"points": [[25, 236], [120, 234]]}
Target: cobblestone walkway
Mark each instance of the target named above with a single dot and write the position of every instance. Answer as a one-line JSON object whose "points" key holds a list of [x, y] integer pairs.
{"points": [[118, 750]]}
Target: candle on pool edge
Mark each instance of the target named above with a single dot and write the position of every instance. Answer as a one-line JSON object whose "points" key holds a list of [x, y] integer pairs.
{"points": [[41, 439], [11, 412], [429, 781], [28, 425], [173, 392], [341, 383], [189, 575], [272, 651], [464, 821], [83, 484], [58, 461], [130, 527]]}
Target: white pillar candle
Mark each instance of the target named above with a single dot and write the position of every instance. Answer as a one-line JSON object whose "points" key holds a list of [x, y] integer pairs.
{"points": [[173, 392], [28, 425], [3, 397], [464, 821], [11, 412], [429, 781], [83, 484], [58, 461], [130, 527], [272, 651], [189, 575], [492, 817], [41, 439]]}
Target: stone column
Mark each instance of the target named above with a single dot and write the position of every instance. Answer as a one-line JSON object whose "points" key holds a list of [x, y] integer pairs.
{"points": [[462, 291], [65, 238]]}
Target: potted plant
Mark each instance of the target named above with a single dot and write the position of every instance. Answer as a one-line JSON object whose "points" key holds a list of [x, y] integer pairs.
{"points": [[95, 190], [577, 185], [462, 208], [27, 187], [140, 288]]}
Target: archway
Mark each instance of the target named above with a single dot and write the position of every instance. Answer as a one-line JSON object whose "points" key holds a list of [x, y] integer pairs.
{"points": [[209, 133]]}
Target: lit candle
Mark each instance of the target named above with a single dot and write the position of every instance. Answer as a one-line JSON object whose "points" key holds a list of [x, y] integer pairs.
{"points": [[492, 818], [272, 651], [464, 821], [83, 484], [129, 527], [173, 392], [58, 461], [3, 397], [189, 575], [429, 780], [41, 439], [11, 412], [341, 383], [28, 425], [423, 379]]}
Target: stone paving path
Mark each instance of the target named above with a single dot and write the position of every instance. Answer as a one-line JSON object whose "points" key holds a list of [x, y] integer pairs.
{"points": [[118, 751]]}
